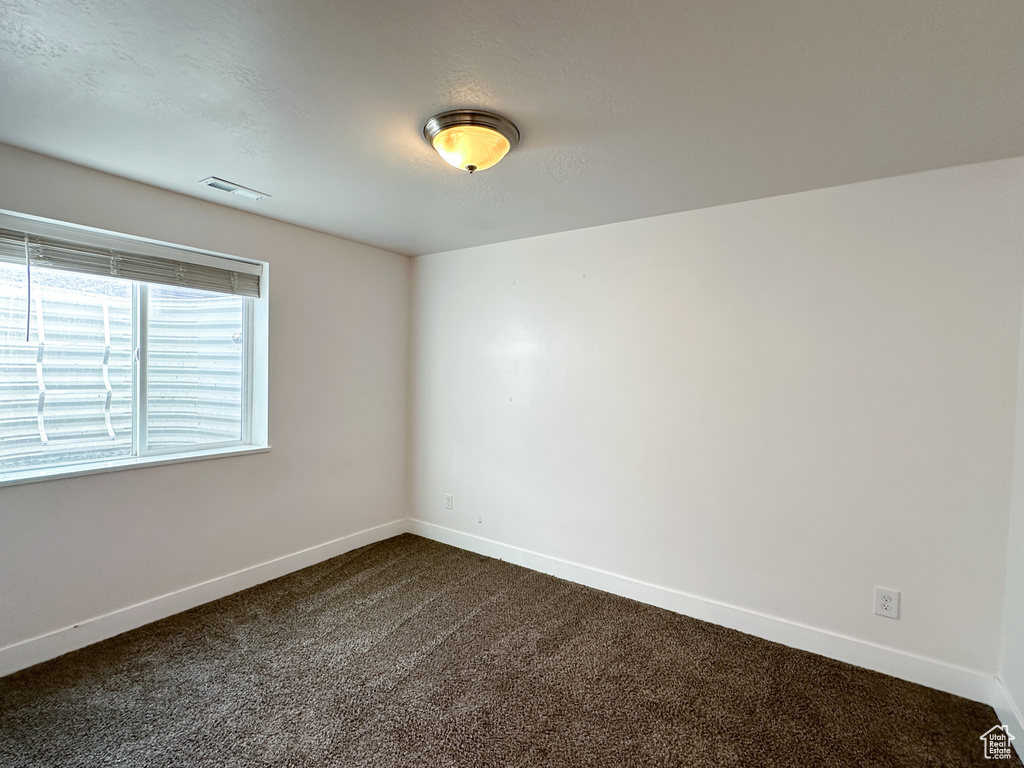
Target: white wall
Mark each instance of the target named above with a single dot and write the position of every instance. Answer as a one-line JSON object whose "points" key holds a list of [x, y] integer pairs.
{"points": [[1011, 673], [84, 547], [775, 405]]}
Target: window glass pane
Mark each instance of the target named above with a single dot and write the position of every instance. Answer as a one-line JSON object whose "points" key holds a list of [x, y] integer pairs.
{"points": [[196, 367], [65, 395]]}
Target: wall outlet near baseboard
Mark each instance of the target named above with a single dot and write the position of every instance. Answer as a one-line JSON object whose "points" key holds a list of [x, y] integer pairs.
{"points": [[887, 602], [449, 501]]}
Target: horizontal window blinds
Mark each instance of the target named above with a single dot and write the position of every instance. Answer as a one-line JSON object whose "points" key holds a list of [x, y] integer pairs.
{"points": [[186, 269]]}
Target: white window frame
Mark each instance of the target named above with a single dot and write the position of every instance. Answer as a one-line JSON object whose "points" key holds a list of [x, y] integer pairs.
{"points": [[255, 395]]}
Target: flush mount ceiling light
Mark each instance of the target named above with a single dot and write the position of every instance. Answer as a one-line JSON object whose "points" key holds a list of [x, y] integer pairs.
{"points": [[471, 139]]}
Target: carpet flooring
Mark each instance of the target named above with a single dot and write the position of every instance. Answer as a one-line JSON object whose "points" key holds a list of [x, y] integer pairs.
{"points": [[412, 653]]}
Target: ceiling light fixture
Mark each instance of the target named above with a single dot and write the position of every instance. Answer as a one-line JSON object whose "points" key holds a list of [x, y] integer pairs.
{"points": [[471, 139]]}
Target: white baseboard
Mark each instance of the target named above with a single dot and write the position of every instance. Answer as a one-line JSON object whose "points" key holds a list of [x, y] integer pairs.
{"points": [[1009, 715], [954, 679], [969, 683], [52, 644]]}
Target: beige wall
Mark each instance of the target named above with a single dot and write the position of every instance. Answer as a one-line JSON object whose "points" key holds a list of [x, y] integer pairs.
{"points": [[774, 405], [1011, 672], [74, 549], [770, 406]]}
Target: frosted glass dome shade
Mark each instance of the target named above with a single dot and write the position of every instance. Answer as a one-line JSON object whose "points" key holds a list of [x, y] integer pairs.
{"points": [[471, 140], [471, 147]]}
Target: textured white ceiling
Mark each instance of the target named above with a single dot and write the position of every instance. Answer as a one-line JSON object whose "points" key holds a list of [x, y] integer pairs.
{"points": [[628, 108]]}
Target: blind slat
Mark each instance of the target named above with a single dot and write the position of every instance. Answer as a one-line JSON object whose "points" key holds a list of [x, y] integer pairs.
{"points": [[90, 260]]}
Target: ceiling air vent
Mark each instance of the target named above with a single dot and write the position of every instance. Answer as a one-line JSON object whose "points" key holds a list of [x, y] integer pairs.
{"points": [[235, 189]]}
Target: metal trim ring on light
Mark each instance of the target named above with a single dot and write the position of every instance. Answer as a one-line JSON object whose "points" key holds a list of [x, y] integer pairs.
{"points": [[477, 117], [456, 117]]}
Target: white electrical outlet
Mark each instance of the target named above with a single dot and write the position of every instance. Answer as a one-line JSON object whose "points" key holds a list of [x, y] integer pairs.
{"points": [[449, 501], [887, 602]]}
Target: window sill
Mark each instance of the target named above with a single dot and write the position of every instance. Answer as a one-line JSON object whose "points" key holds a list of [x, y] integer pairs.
{"points": [[58, 473]]}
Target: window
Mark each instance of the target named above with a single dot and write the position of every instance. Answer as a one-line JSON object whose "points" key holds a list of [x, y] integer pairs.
{"points": [[117, 351]]}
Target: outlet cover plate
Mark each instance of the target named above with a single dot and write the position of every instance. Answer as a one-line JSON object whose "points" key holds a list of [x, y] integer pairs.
{"points": [[887, 602]]}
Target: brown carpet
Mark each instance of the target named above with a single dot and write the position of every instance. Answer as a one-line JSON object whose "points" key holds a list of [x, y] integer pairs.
{"points": [[412, 653]]}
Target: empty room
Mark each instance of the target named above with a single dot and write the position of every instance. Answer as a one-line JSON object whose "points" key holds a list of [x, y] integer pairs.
{"points": [[539, 384]]}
